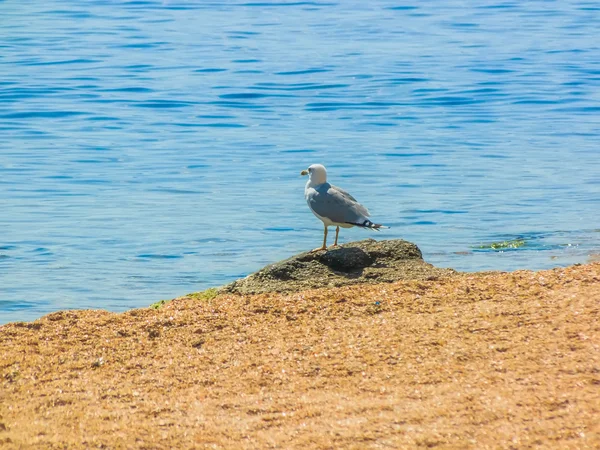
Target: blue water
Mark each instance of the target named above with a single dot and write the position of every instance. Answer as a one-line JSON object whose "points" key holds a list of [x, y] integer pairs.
{"points": [[149, 149]]}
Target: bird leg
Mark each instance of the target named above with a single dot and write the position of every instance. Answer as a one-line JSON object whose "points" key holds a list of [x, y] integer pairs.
{"points": [[337, 232], [324, 246]]}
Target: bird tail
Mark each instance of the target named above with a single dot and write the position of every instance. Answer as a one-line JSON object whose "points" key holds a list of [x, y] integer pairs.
{"points": [[368, 224]]}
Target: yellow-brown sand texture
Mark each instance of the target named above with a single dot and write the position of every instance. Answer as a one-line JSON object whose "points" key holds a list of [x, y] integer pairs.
{"points": [[501, 360]]}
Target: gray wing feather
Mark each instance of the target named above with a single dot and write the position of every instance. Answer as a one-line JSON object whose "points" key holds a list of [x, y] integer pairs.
{"points": [[336, 204], [362, 209]]}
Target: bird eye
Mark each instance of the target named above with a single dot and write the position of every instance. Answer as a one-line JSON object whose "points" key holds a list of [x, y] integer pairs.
{"points": [[310, 169]]}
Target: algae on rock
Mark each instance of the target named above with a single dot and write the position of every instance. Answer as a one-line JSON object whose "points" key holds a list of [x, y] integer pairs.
{"points": [[367, 261]]}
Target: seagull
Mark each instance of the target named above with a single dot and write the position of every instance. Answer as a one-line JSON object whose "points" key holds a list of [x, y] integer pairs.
{"points": [[333, 205]]}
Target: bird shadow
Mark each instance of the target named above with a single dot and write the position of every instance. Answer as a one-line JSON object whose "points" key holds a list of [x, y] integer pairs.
{"points": [[349, 262]]}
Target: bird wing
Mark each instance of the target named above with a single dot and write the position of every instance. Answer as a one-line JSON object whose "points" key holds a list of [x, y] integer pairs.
{"points": [[362, 209], [336, 204]]}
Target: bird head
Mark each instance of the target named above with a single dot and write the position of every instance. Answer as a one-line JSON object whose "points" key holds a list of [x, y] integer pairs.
{"points": [[316, 173]]}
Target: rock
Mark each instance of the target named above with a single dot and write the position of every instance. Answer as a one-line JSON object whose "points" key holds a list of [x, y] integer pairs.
{"points": [[367, 261]]}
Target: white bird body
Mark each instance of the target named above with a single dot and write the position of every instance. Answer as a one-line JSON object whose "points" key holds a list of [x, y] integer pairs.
{"points": [[333, 205]]}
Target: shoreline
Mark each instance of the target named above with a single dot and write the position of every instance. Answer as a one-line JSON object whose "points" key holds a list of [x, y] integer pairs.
{"points": [[475, 360]]}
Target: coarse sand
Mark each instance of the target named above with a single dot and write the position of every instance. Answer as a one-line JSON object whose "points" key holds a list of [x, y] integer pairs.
{"points": [[472, 361]]}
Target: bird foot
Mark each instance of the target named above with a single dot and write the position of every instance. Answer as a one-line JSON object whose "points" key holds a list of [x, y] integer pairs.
{"points": [[318, 249], [334, 246]]}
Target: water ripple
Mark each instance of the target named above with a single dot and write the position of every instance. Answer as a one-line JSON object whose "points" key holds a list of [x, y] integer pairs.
{"points": [[41, 114]]}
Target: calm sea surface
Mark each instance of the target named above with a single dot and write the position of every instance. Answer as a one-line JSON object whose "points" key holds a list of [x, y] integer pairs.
{"points": [[150, 149]]}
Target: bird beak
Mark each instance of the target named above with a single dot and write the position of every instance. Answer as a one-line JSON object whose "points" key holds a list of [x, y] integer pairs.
{"points": [[304, 172]]}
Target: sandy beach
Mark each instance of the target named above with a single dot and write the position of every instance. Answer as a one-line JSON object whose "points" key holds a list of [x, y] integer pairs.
{"points": [[474, 361]]}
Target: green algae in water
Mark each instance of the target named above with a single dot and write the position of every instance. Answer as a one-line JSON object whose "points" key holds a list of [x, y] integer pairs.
{"points": [[504, 245]]}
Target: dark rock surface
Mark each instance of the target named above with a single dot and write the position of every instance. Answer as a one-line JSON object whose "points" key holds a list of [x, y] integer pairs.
{"points": [[367, 261]]}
